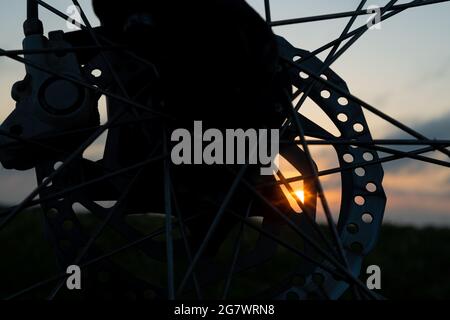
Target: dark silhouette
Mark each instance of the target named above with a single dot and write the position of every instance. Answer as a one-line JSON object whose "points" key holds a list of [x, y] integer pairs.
{"points": [[218, 62]]}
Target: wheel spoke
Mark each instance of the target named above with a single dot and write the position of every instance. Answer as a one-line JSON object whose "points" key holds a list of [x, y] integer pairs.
{"points": [[328, 253], [213, 226], [351, 166], [235, 255], [168, 223], [327, 63], [50, 178], [319, 189], [352, 41], [20, 140], [305, 237], [348, 35], [113, 212], [334, 272], [364, 104], [83, 185], [318, 186], [187, 246], [403, 142], [307, 213], [311, 130], [405, 154], [59, 50], [132, 244], [346, 14], [83, 27], [268, 11], [86, 85], [411, 156], [38, 141]]}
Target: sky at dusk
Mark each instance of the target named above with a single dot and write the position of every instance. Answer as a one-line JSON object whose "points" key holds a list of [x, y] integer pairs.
{"points": [[403, 69]]}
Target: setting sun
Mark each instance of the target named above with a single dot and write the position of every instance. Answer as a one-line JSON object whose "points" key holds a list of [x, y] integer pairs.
{"points": [[301, 195]]}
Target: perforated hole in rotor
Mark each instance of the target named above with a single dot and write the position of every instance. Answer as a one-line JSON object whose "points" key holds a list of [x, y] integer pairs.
{"points": [[96, 150], [57, 165], [360, 172], [325, 94], [79, 208], [348, 158], [324, 76], [342, 117], [343, 101], [296, 58], [358, 127], [371, 187], [106, 204], [303, 75], [47, 182], [359, 200], [316, 114], [367, 218], [368, 156], [357, 247], [96, 73], [352, 228]]}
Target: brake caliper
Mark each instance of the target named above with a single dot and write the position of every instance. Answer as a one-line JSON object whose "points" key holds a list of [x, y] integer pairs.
{"points": [[48, 104]]}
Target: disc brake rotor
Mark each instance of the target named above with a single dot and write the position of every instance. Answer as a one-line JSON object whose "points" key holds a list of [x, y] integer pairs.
{"points": [[362, 195], [362, 191]]}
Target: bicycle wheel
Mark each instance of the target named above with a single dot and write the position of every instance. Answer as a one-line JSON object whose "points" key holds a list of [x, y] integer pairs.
{"points": [[150, 231]]}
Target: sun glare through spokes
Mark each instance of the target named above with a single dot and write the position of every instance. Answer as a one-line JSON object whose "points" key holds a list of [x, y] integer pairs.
{"points": [[293, 197], [296, 190], [300, 195]]}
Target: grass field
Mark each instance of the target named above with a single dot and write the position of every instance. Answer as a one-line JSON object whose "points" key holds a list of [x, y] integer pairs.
{"points": [[415, 263]]}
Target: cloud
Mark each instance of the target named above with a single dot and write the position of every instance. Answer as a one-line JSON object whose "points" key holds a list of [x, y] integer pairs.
{"points": [[437, 128], [419, 193], [432, 76], [416, 208]]}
